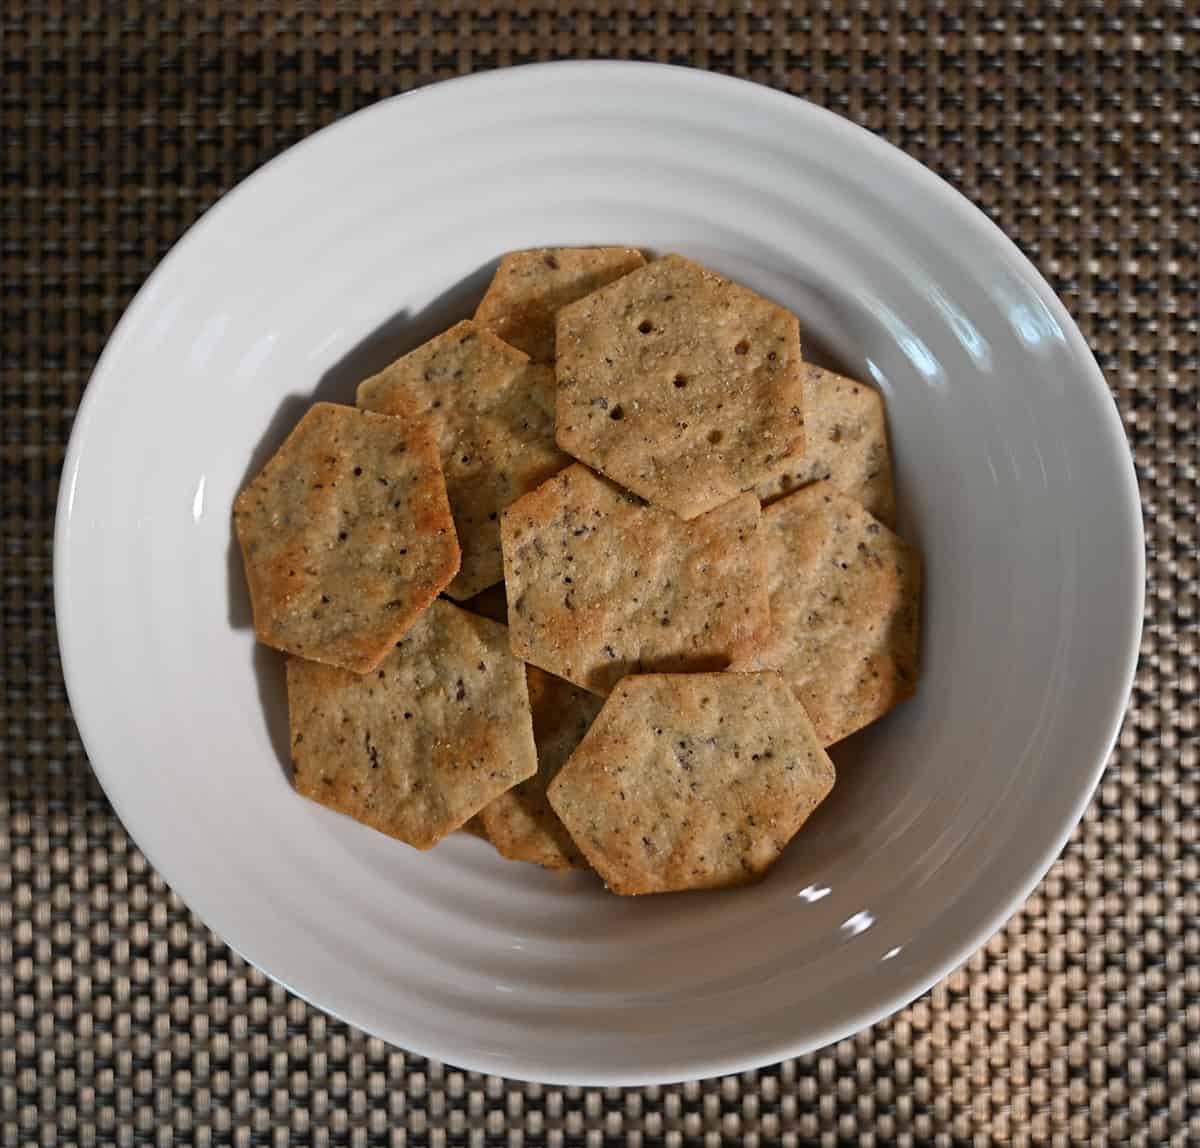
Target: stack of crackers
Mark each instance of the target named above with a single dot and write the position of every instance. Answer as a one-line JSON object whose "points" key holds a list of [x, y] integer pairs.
{"points": [[598, 574]]}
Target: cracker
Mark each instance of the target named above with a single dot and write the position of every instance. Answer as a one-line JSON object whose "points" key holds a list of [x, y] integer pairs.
{"points": [[845, 598], [346, 535], [846, 442], [601, 585], [419, 746], [520, 823], [680, 385], [692, 781], [494, 413], [530, 287]]}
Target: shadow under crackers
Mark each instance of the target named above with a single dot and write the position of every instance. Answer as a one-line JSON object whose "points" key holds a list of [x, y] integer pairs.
{"points": [[820, 353], [270, 673], [403, 332]]}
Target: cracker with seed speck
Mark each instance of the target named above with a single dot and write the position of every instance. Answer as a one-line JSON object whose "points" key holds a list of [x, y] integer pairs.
{"points": [[601, 585], [680, 385], [846, 442], [520, 823], [845, 599], [494, 413], [419, 746], [691, 781], [530, 287], [346, 536]]}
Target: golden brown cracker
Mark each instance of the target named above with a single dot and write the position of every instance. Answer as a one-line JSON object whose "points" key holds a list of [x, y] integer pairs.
{"points": [[601, 585], [520, 823], [494, 414], [530, 287], [691, 781], [845, 600], [346, 535], [421, 744], [846, 442], [680, 385]]}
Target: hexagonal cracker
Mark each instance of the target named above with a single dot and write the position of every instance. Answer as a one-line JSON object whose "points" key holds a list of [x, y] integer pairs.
{"points": [[845, 602], [680, 385], [520, 823], [846, 442], [494, 414], [601, 585], [346, 536], [418, 747], [691, 781], [530, 287]]}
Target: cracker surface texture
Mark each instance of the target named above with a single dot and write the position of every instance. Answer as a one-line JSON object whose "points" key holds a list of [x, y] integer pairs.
{"points": [[346, 535], [601, 585], [846, 442], [845, 600], [692, 781], [680, 385], [530, 287], [419, 746], [494, 415], [520, 823]]}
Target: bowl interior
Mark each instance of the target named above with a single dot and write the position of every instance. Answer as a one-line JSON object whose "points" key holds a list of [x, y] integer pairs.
{"points": [[1013, 479]]}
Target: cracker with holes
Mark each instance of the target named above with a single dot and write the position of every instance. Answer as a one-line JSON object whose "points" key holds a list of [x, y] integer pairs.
{"points": [[845, 597], [530, 287], [346, 536], [601, 585], [494, 414], [680, 385], [691, 781], [420, 745], [520, 823], [845, 433]]}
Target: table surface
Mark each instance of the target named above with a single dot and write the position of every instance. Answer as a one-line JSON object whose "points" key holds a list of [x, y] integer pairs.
{"points": [[1075, 125]]}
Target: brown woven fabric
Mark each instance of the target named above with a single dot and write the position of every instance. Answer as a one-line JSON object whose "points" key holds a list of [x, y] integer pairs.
{"points": [[1075, 125]]}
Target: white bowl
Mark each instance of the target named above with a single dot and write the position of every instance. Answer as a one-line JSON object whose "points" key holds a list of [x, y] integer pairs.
{"points": [[1013, 475]]}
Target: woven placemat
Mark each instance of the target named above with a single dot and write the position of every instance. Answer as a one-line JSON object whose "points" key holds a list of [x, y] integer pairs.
{"points": [[1076, 126]]}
